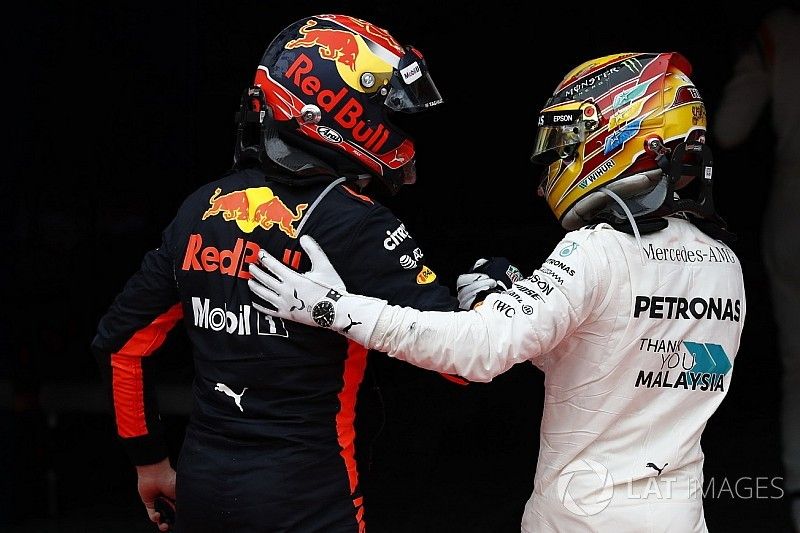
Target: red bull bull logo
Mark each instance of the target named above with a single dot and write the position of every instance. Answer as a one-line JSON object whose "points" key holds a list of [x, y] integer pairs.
{"points": [[274, 211], [268, 210], [335, 45], [367, 29], [234, 205]]}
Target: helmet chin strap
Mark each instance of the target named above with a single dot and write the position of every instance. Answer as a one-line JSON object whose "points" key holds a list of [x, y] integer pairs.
{"points": [[614, 196]]}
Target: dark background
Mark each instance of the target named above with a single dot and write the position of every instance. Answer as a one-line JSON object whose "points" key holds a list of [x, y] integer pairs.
{"points": [[116, 111]]}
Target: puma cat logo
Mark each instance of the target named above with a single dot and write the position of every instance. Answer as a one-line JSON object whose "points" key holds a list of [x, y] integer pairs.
{"points": [[221, 387], [350, 325], [654, 467]]}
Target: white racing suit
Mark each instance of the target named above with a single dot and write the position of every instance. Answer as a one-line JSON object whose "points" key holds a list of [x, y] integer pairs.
{"points": [[637, 347]]}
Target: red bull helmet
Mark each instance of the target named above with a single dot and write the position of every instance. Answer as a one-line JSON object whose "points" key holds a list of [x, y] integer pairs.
{"points": [[633, 124], [329, 84]]}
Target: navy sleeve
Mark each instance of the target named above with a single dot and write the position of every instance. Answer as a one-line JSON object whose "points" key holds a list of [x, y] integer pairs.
{"points": [[136, 325], [384, 261]]}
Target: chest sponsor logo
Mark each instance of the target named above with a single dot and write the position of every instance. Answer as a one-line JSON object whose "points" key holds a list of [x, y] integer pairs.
{"points": [[686, 365], [407, 262], [504, 308], [255, 208], [534, 286], [710, 254], [680, 308], [560, 265], [227, 262], [568, 248], [514, 274], [410, 261], [395, 237], [514, 295], [553, 274], [425, 276], [241, 320]]}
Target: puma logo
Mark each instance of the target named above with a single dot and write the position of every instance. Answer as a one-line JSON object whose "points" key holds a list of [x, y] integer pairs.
{"points": [[350, 325], [302, 303], [654, 467], [221, 387]]}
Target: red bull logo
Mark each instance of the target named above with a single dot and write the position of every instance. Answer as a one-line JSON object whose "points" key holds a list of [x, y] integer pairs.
{"points": [[268, 210], [334, 45], [348, 112], [227, 262]]}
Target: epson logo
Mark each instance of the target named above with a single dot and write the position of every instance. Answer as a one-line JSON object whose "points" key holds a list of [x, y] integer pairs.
{"points": [[329, 134], [553, 118], [240, 321]]}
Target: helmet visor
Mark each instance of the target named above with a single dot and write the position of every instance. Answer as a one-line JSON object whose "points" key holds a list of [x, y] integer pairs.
{"points": [[411, 88], [559, 133]]}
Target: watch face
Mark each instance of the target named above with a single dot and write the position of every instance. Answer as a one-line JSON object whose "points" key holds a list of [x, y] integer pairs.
{"points": [[323, 313]]}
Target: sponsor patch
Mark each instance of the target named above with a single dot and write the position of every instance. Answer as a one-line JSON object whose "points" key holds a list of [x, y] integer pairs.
{"points": [[425, 276], [407, 262], [411, 73]]}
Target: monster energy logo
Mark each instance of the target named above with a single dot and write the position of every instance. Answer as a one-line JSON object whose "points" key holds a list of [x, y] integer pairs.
{"points": [[632, 64]]}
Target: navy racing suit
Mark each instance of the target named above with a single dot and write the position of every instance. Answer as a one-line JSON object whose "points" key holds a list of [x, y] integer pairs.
{"points": [[270, 441]]}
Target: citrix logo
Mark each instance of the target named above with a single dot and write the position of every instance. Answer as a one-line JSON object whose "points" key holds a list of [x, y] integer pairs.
{"points": [[396, 237]]}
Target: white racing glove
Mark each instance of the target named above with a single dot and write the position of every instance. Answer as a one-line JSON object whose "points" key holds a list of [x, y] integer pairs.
{"points": [[470, 285], [496, 274], [315, 298]]}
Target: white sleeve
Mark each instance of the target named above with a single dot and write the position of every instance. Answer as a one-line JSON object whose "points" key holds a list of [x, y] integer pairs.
{"points": [[517, 325]]}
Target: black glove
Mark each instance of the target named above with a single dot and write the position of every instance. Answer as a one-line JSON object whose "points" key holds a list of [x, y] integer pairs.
{"points": [[495, 274]]}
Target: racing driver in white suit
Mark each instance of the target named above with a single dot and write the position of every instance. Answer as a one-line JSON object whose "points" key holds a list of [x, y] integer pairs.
{"points": [[635, 317]]}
